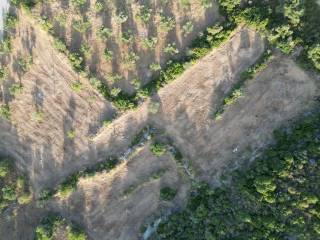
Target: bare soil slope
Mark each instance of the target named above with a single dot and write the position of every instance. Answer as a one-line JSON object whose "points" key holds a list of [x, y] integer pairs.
{"points": [[186, 107], [41, 145]]}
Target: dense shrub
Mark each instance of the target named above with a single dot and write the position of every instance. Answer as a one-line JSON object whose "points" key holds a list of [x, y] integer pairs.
{"points": [[275, 198], [314, 56], [167, 193], [13, 187], [50, 224], [158, 149]]}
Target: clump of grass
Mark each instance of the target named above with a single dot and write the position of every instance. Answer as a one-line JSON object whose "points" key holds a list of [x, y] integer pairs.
{"points": [[71, 134]]}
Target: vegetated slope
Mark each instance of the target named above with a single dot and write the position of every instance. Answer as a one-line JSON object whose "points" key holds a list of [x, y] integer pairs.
{"points": [[125, 43], [276, 198], [268, 105], [53, 110]]}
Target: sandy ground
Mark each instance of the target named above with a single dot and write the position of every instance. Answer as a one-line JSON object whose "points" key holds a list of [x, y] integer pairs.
{"points": [[281, 92]]}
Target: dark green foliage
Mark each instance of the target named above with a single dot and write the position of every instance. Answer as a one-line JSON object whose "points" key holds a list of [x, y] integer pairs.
{"points": [[277, 197], [5, 112], [167, 193], [27, 4], [49, 225], [287, 23]]}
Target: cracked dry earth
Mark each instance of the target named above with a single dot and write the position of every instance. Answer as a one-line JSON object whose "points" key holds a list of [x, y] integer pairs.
{"points": [[100, 204]]}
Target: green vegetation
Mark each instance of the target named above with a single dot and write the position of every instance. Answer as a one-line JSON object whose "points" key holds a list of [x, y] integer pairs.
{"points": [[52, 223], [15, 89], [150, 43], [24, 63], [46, 24], [10, 21], [171, 48], [314, 56], [78, 3], [167, 193], [104, 33], [5, 112], [188, 28], [287, 24], [167, 23], [71, 134], [144, 14], [158, 149], [81, 25], [26, 4], [13, 188], [5, 45], [275, 198]]}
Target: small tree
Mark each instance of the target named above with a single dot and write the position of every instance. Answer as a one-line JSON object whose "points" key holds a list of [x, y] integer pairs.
{"points": [[314, 56]]}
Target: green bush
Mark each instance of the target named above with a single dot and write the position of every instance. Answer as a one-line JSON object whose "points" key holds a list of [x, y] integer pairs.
{"points": [[104, 33], [99, 6], [24, 63], [9, 193], [167, 23], [78, 3], [5, 112], [76, 61], [4, 168], [158, 149], [167, 193], [46, 24], [60, 45], [15, 89], [10, 21], [144, 14], [81, 25], [5, 45], [314, 56], [150, 43]]}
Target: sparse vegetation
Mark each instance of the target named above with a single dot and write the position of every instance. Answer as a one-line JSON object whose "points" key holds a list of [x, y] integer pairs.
{"points": [[13, 188]]}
